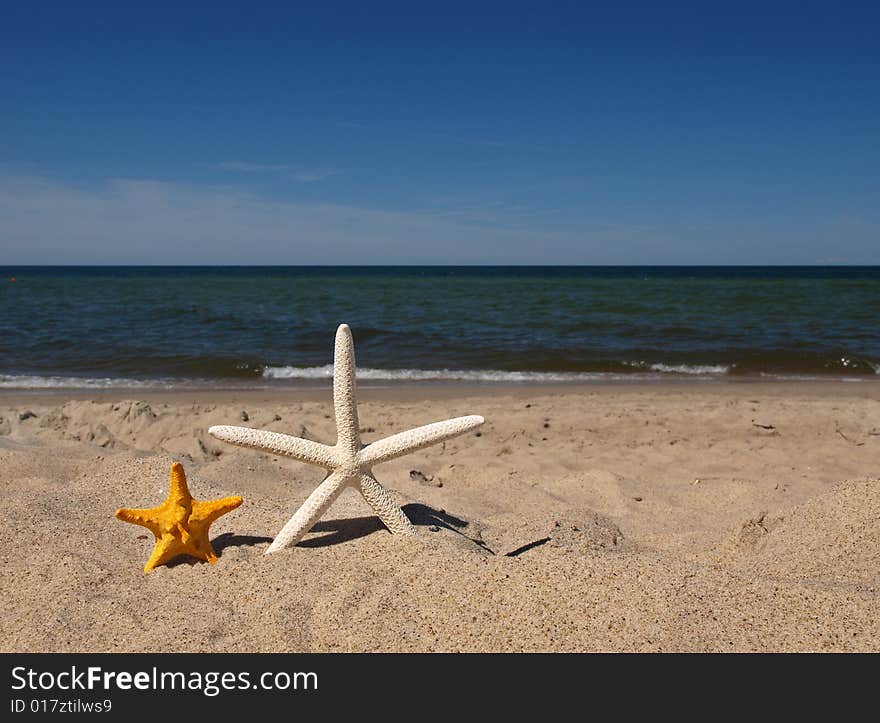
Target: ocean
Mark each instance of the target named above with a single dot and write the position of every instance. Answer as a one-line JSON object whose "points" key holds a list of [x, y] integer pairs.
{"points": [[84, 327]]}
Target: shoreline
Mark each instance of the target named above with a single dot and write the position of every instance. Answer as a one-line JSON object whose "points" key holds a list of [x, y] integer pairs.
{"points": [[434, 391]]}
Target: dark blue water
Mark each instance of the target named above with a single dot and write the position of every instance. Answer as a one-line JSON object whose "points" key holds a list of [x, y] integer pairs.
{"points": [[119, 325]]}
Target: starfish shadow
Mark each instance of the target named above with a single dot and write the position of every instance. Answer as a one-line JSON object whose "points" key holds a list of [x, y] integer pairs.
{"points": [[229, 539], [220, 543], [184, 560], [352, 528]]}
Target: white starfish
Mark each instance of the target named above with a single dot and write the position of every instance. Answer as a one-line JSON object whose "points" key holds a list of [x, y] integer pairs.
{"points": [[349, 461]]}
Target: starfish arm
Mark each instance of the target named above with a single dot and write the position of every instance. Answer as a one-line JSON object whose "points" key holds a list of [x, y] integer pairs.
{"points": [[384, 506], [311, 510], [195, 542], [403, 443], [305, 450], [144, 518], [344, 391], [166, 549], [178, 492], [207, 512]]}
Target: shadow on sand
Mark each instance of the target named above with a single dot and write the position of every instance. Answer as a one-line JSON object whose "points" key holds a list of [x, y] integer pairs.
{"points": [[351, 528]]}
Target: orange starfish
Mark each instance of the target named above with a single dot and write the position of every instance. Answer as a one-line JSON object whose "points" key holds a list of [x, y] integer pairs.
{"points": [[180, 524]]}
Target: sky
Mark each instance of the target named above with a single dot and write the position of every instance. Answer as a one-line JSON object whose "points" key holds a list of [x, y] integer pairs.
{"points": [[448, 133]]}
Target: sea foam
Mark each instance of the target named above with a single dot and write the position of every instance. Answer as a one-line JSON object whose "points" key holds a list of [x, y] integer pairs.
{"points": [[483, 375]]}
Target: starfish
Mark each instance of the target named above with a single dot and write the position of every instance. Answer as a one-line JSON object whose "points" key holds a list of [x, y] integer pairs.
{"points": [[180, 524], [350, 462]]}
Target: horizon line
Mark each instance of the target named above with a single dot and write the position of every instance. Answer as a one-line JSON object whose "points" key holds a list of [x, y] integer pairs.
{"points": [[451, 265]]}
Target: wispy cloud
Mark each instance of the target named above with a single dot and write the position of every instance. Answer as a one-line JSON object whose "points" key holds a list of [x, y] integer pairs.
{"points": [[295, 173], [462, 139], [488, 211], [309, 176], [244, 167], [136, 221], [44, 221]]}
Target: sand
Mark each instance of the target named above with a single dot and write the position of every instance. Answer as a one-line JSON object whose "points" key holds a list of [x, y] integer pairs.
{"points": [[677, 517]]}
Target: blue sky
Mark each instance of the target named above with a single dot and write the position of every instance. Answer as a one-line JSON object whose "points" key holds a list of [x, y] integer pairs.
{"points": [[463, 133]]}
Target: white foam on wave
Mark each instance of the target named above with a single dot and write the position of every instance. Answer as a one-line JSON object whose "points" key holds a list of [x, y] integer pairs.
{"points": [[650, 372], [690, 369], [24, 381], [419, 375], [478, 375]]}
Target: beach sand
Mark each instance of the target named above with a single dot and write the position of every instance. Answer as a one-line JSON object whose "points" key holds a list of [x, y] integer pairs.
{"points": [[664, 517]]}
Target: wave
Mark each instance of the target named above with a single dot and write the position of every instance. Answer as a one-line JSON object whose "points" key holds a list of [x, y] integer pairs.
{"points": [[697, 369], [273, 375], [280, 374], [482, 375], [641, 370], [424, 375], [690, 368], [25, 381]]}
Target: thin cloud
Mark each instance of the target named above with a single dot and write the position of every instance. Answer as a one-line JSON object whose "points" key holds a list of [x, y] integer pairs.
{"points": [[311, 176], [244, 167], [137, 221], [125, 221], [295, 173], [457, 138]]}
